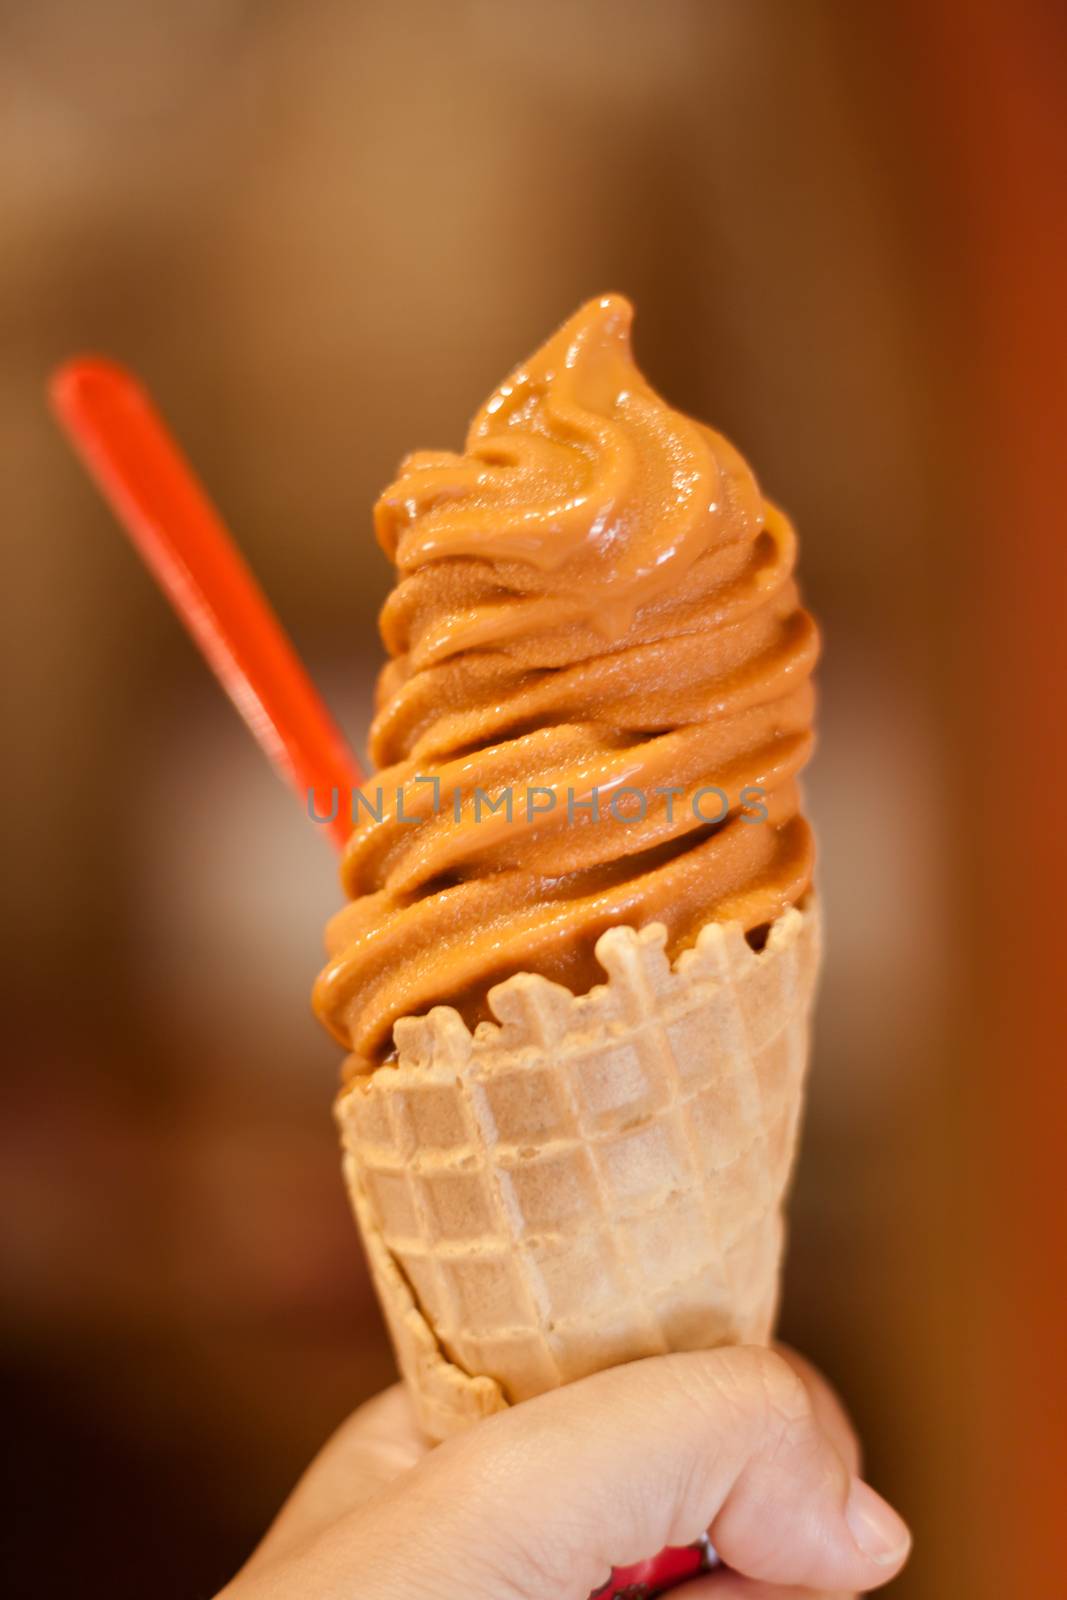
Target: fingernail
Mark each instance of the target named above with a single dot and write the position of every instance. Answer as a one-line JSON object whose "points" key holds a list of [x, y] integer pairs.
{"points": [[880, 1533]]}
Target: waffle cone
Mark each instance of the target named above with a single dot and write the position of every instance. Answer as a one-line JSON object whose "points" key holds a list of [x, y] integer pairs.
{"points": [[593, 1179]]}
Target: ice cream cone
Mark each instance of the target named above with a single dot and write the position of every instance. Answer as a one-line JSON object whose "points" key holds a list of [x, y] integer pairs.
{"points": [[593, 1179]]}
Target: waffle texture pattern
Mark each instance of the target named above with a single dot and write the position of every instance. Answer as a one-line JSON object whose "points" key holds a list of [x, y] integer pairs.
{"points": [[592, 1179]]}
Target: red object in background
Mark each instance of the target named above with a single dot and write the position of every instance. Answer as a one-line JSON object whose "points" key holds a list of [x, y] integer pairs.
{"points": [[994, 105], [164, 509], [665, 1571]]}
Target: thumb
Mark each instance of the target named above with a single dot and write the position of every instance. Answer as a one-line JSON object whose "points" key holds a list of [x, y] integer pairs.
{"points": [[545, 1498]]}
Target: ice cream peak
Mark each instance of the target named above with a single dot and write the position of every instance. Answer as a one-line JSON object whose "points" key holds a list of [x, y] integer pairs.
{"points": [[578, 470], [594, 607]]}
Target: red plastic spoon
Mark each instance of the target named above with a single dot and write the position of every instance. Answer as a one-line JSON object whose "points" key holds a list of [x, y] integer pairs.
{"points": [[154, 492]]}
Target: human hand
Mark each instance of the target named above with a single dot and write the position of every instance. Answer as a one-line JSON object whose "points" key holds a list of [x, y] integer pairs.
{"points": [[538, 1502]]}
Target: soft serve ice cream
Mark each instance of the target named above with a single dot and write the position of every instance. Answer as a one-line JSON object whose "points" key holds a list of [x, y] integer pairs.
{"points": [[597, 704]]}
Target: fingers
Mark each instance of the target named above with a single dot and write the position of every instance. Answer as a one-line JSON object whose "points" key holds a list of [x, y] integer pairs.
{"points": [[547, 1497], [831, 1416], [376, 1444], [729, 1586]]}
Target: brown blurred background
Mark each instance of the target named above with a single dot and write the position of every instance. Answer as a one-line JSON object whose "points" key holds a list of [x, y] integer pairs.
{"points": [[321, 232]]}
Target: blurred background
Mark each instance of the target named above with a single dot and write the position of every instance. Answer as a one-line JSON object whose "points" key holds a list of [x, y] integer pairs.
{"points": [[322, 232]]}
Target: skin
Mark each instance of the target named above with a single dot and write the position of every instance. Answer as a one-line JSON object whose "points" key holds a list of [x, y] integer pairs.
{"points": [[749, 1444]]}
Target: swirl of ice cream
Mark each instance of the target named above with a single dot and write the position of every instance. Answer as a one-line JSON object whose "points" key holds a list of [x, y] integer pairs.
{"points": [[598, 702]]}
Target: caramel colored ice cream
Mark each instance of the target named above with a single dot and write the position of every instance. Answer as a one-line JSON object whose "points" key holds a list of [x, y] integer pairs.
{"points": [[598, 701]]}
